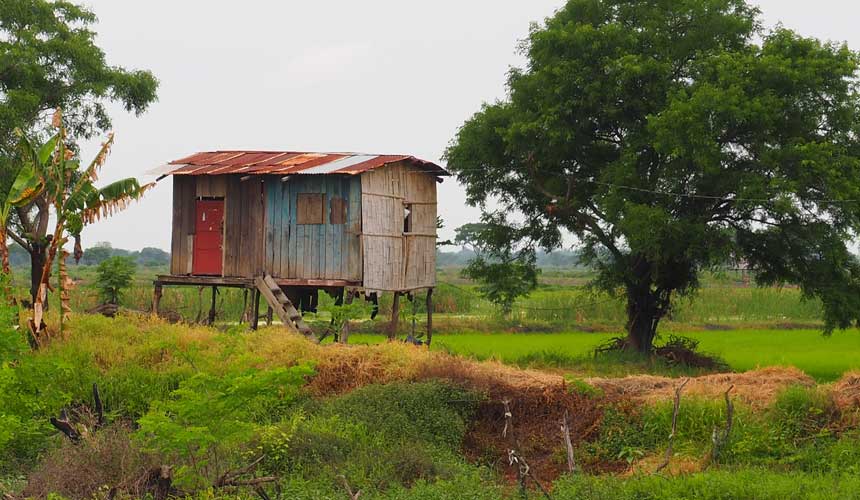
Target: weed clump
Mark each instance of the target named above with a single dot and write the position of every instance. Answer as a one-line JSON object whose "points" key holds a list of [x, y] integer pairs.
{"points": [[677, 351]]}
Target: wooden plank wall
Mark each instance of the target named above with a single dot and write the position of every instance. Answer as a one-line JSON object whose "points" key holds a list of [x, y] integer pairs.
{"points": [[244, 227], [394, 260], [182, 237], [312, 251]]}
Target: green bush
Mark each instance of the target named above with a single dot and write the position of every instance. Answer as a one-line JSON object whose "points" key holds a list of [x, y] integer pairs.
{"points": [[210, 417], [381, 438], [429, 412], [114, 276]]}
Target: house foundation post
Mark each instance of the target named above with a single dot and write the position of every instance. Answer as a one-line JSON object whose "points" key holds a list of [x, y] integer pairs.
{"points": [[395, 317], [429, 316]]}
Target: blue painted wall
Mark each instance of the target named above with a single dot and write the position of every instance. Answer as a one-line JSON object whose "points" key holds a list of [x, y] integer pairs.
{"points": [[312, 251]]}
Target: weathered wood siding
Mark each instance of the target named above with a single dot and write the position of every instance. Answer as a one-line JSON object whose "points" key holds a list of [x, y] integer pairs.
{"points": [[182, 238], [244, 227], [394, 259], [313, 251]]}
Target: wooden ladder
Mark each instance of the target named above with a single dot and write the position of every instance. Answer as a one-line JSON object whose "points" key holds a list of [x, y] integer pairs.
{"points": [[281, 305]]}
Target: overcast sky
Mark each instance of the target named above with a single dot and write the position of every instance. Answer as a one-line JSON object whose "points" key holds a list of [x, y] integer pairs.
{"points": [[374, 76]]}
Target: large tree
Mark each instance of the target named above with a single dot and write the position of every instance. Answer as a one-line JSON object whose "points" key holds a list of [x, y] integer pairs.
{"points": [[672, 136], [49, 60]]}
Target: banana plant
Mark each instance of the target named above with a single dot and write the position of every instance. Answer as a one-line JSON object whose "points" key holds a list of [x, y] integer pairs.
{"points": [[76, 202]]}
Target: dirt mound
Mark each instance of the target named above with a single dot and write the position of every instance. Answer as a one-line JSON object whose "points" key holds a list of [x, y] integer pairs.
{"points": [[846, 391], [757, 388], [537, 400]]}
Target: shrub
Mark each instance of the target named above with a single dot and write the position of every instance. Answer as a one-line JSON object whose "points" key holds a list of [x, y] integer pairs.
{"points": [[430, 412], [114, 276], [212, 417], [106, 459], [801, 412]]}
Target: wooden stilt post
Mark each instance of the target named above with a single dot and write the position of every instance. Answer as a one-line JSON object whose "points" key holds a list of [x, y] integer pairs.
{"points": [[255, 310], [414, 314], [429, 316], [212, 306], [344, 333], [156, 297], [395, 316], [269, 314], [244, 306]]}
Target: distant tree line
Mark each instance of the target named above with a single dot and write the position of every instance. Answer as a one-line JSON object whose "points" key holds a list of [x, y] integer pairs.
{"points": [[147, 257], [559, 258]]}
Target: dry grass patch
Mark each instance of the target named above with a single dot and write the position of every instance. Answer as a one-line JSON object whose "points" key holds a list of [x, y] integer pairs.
{"points": [[757, 388]]}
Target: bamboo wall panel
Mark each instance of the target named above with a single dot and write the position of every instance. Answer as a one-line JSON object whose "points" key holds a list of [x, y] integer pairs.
{"points": [[394, 260]]}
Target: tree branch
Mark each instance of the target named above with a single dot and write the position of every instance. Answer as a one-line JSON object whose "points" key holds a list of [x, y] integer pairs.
{"points": [[19, 240]]}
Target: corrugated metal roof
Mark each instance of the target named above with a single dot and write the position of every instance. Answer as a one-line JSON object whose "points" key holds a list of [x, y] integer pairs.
{"points": [[289, 162]]}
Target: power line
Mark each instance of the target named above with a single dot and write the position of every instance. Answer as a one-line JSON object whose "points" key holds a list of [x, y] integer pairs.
{"points": [[683, 195]]}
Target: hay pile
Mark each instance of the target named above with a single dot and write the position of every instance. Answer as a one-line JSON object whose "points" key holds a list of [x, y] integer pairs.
{"points": [[757, 388], [846, 392]]}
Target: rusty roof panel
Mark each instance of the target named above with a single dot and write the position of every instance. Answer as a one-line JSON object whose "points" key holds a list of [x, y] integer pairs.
{"points": [[290, 162]]}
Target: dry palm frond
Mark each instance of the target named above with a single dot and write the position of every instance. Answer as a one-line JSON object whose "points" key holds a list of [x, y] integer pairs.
{"points": [[113, 198]]}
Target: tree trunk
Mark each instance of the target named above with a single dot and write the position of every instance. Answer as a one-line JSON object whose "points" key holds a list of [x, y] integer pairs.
{"points": [[4, 250], [643, 316], [37, 265]]}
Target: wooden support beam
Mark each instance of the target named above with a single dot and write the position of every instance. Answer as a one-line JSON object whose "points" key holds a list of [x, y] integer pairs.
{"points": [[244, 306], [429, 316], [395, 317], [269, 316], [156, 297], [344, 333], [211, 317], [255, 309]]}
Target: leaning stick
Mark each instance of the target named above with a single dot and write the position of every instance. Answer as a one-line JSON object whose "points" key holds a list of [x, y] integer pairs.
{"points": [[721, 438], [668, 456], [565, 432]]}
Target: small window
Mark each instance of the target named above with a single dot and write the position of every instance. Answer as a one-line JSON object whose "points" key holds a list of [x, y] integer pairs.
{"points": [[310, 208], [407, 217], [338, 210]]}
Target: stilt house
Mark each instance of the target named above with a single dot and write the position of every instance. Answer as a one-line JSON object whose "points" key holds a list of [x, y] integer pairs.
{"points": [[304, 222]]}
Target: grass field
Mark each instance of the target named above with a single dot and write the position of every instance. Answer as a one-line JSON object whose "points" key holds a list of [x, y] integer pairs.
{"points": [[824, 358]]}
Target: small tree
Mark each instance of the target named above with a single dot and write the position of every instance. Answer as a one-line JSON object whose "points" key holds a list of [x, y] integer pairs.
{"points": [[114, 276], [503, 272]]}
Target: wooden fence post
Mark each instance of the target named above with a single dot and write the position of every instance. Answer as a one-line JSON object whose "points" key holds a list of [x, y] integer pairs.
{"points": [[395, 316]]}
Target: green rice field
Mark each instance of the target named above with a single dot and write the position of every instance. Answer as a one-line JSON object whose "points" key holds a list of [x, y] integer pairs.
{"points": [[823, 358]]}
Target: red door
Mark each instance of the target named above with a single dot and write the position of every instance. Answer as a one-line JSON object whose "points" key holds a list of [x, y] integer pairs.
{"points": [[208, 238]]}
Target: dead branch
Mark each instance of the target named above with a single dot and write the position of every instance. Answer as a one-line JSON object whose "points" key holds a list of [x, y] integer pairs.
{"points": [[232, 479], [65, 426], [524, 472], [158, 483], [668, 456], [100, 411], [352, 495], [720, 437], [565, 433]]}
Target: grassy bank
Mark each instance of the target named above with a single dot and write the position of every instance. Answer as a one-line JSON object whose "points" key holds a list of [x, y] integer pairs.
{"points": [[826, 358], [390, 420]]}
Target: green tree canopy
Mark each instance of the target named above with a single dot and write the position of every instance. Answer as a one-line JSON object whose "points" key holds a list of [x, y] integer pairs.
{"points": [[671, 137], [49, 60]]}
